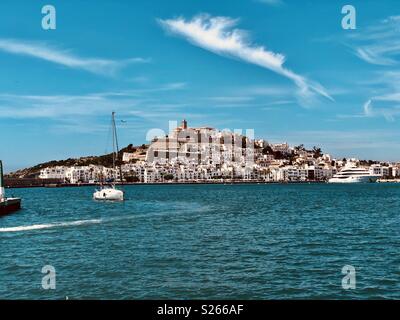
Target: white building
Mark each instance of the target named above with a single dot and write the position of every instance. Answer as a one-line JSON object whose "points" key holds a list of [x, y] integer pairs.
{"points": [[378, 169], [53, 173]]}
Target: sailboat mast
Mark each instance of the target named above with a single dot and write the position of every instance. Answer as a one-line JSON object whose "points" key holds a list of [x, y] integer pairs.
{"points": [[115, 146], [113, 137]]}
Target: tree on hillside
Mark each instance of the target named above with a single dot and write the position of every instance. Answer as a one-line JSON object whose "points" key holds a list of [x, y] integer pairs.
{"points": [[278, 155], [300, 147], [267, 150], [317, 152]]}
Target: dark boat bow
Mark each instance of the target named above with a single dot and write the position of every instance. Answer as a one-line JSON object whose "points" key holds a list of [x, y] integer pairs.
{"points": [[7, 205]]}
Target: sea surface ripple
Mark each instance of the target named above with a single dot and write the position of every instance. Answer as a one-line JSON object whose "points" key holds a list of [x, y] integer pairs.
{"points": [[204, 242]]}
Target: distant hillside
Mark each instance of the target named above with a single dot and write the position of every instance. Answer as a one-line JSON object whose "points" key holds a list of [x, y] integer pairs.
{"points": [[104, 160]]}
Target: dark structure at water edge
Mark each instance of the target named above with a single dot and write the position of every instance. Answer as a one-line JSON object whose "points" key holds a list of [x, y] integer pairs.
{"points": [[7, 205]]}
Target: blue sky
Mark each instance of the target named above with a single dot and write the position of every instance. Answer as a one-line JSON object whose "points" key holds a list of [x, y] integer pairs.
{"points": [[284, 68]]}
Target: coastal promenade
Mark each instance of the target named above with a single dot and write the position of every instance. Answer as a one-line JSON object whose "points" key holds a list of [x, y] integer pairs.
{"points": [[54, 183], [29, 182]]}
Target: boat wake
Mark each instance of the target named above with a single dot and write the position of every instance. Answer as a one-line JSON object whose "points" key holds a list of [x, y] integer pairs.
{"points": [[51, 225], [96, 221]]}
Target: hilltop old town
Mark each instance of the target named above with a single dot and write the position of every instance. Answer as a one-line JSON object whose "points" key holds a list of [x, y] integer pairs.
{"points": [[208, 155]]}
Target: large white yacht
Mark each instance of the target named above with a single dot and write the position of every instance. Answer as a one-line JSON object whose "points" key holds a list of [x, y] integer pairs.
{"points": [[353, 174]]}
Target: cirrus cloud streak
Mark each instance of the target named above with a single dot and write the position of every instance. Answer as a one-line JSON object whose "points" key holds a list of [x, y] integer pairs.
{"points": [[62, 57], [219, 35]]}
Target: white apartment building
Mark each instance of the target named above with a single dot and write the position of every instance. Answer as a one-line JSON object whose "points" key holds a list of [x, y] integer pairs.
{"points": [[128, 157], [281, 147], [82, 174], [79, 174], [291, 173], [378, 169], [53, 173]]}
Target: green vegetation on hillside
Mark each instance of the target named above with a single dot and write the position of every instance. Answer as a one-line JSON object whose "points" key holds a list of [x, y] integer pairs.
{"points": [[104, 160]]}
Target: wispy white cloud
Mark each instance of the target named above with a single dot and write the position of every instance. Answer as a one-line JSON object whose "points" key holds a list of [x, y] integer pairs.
{"points": [[58, 107], [219, 35], [387, 106], [375, 55], [62, 57], [272, 2], [281, 102], [267, 91], [99, 104], [379, 44], [230, 99]]}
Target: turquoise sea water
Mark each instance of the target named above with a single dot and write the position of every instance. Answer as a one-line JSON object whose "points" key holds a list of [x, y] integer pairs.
{"points": [[204, 242]]}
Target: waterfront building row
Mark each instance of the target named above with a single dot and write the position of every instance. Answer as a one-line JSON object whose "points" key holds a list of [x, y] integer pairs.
{"points": [[207, 154], [154, 173]]}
